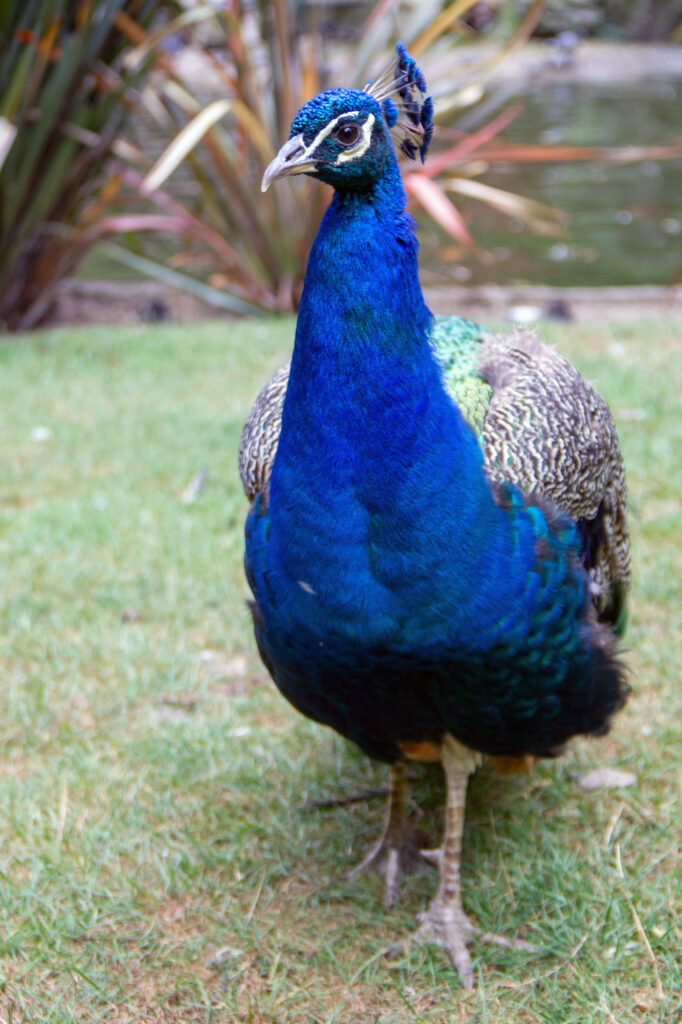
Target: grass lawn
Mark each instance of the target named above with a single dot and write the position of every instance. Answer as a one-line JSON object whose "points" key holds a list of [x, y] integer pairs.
{"points": [[158, 860]]}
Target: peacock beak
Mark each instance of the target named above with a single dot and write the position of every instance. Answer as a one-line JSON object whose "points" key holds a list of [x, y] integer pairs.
{"points": [[293, 158]]}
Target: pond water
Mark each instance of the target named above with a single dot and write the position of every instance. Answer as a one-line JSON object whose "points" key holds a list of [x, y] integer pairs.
{"points": [[624, 221]]}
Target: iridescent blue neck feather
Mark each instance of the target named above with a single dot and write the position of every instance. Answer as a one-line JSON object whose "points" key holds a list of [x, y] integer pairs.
{"points": [[375, 463]]}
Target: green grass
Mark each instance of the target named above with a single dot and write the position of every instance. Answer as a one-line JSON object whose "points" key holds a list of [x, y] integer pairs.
{"points": [[153, 783]]}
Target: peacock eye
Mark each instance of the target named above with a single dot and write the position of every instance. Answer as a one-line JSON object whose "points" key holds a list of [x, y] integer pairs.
{"points": [[347, 134]]}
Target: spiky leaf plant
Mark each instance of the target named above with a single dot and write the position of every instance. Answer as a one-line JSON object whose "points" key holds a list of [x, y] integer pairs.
{"points": [[264, 61], [227, 111], [63, 99]]}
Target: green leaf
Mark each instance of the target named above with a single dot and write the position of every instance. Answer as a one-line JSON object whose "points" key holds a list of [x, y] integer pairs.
{"points": [[183, 143], [160, 272]]}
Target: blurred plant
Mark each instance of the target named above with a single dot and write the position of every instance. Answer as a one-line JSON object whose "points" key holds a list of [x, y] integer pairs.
{"points": [[241, 250], [63, 100], [268, 59]]}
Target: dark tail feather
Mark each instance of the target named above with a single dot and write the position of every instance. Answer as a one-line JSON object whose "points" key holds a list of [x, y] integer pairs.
{"points": [[616, 612], [608, 686]]}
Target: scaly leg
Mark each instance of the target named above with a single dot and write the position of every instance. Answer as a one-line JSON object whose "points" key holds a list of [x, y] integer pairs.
{"points": [[445, 922], [393, 846]]}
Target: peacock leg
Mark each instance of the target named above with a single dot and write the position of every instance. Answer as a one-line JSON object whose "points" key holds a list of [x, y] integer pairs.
{"points": [[445, 922], [393, 846]]}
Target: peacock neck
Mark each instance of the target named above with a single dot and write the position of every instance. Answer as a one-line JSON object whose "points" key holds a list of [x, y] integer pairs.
{"points": [[365, 391], [376, 474], [363, 325], [362, 282]]}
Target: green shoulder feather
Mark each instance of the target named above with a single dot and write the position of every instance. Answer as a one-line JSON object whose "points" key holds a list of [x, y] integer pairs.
{"points": [[456, 343]]}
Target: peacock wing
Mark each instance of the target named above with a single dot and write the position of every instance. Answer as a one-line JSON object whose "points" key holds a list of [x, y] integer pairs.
{"points": [[553, 435], [260, 435]]}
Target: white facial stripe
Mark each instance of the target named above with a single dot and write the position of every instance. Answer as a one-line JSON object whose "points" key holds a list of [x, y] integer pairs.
{"points": [[327, 130], [362, 146]]}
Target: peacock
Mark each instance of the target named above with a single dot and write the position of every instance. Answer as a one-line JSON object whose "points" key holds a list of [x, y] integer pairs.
{"points": [[437, 542]]}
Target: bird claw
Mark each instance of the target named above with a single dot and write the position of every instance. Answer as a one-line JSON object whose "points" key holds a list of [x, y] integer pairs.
{"points": [[451, 930], [433, 857], [394, 877], [449, 927], [395, 857]]}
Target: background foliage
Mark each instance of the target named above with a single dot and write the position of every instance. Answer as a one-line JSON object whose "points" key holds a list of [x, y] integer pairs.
{"points": [[64, 96], [234, 245], [135, 120]]}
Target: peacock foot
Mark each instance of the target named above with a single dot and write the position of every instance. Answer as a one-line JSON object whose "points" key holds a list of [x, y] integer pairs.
{"points": [[433, 857], [446, 925], [394, 851], [393, 855]]}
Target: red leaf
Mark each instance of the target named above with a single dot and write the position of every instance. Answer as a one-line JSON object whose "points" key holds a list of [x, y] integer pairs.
{"points": [[438, 206], [471, 143]]}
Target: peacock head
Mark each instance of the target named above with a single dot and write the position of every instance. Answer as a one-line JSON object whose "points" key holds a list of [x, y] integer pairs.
{"points": [[343, 136]]}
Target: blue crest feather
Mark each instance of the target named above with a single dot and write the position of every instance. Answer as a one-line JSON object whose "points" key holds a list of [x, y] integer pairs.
{"points": [[390, 112], [408, 111]]}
